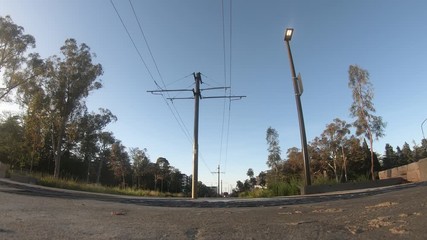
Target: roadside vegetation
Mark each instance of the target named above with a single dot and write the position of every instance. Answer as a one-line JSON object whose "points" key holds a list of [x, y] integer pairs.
{"points": [[342, 153], [71, 184], [57, 136]]}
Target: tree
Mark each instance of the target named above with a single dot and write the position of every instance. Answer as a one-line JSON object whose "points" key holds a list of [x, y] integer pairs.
{"points": [[261, 179], [362, 108], [293, 166], [36, 128], [68, 82], [106, 139], [119, 160], [12, 145], [13, 45], [333, 141], [163, 170], [420, 151], [407, 155], [90, 127], [176, 180], [424, 148], [273, 148], [140, 162], [390, 157], [252, 179]]}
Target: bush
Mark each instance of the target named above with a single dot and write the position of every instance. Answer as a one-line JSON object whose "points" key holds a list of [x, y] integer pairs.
{"points": [[261, 193], [363, 178], [322, 180], [292, 187], [73, 184]]}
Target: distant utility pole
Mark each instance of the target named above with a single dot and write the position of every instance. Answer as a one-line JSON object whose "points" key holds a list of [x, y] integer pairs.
{"points": [[219, 180], [196, 96]]}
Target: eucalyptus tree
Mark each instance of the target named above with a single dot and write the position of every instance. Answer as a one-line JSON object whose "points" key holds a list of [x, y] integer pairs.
{"points": [[106, 139], [274, 151], [119, 162], [67, 82], [36, 122], [140, 163], [261, 179], [163, 168], [362, 108], [13, 46], [294, 164], [334, 139], [252, 180], [175, 180], [12, 145], [90, 127]]}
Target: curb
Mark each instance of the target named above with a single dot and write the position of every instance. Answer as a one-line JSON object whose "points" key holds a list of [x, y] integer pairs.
{"points": [[41, 191]]}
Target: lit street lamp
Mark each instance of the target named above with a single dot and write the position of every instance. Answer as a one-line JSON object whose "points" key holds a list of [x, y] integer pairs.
{"points": [[298, 91]]}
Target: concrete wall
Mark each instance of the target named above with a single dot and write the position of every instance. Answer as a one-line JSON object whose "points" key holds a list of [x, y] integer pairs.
{"points": [[413, 172]]}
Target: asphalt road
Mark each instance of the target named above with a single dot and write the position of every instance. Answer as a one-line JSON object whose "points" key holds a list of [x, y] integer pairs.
{"points": [[31, 212]]}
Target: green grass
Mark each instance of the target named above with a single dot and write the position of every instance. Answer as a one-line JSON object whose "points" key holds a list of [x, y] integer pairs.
{"points": [[321, 180], [72, 184], [291, 187]]}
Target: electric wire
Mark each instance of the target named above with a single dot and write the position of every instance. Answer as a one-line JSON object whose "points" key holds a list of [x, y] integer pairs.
{"points": [[133, 42], [180, 79], [179, 118], [229, 72], [225, 82], [176, 115], [181, 125], [146, 42]]}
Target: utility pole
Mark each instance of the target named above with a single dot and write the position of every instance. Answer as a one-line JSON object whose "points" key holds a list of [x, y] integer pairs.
{"points": [[219, 179], [196, 96]]}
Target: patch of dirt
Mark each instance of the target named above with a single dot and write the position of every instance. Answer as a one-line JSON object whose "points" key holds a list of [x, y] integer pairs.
{"points": [[379, 222], [328, 210], [382, 205], [398, 230]]}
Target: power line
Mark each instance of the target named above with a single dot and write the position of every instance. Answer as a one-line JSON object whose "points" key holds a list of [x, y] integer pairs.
{"points": [[146, 43], [172, 108], [225, 82], [133, 42], [181, 123], [197, 97], [229, 71]]}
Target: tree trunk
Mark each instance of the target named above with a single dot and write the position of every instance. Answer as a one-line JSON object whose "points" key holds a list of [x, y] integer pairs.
{"points": [[32, 162], [372, 155], [344, 163], [123, 180], [57, 151], [98, 174], [88, 169]]}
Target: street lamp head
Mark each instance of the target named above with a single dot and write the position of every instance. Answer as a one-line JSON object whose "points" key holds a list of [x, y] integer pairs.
{"points": [[288, 34]]}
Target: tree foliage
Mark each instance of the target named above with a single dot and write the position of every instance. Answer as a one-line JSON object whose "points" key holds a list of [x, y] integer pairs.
{"points": [[56, 132], [13, 46], [362, 108], [274, 151]]}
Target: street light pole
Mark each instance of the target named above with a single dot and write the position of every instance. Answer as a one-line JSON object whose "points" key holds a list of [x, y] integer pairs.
{"points": [[298, 92], [422, 130]]}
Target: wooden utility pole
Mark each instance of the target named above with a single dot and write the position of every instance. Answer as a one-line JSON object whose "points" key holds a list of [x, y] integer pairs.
{"points": [[196, 96], [219, 180]]}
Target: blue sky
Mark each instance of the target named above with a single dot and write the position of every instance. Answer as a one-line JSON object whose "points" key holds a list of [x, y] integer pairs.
{"points": [[386, 37]]}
